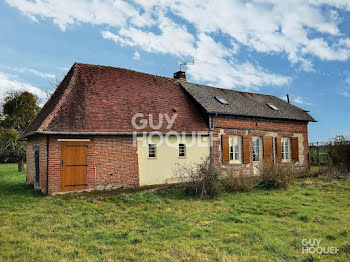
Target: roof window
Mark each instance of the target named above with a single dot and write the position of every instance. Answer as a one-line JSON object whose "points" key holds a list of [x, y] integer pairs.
{"points": [[273, 106], [221, 100]]}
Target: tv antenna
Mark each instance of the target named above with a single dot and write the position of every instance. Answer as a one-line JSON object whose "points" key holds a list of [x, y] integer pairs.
{"points": [[186, 64]]}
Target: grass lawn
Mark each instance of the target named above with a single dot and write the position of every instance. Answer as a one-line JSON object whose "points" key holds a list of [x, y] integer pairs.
{"points": [[167, 226]]}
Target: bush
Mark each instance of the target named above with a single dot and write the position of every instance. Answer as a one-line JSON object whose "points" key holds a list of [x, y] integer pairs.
{"points": [[201, 180], [336, 172], [339, 153], [207, 180], [279, 175], [232, 182]]}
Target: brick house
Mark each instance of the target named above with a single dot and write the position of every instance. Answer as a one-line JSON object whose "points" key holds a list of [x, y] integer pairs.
{"points": [[107, 127]]}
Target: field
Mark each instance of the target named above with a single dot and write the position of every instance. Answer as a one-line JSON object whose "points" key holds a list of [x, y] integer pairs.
{"points": [[167, 226]]}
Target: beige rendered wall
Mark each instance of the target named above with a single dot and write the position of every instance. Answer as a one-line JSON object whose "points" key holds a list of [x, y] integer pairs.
{"points": [[160, 170]]}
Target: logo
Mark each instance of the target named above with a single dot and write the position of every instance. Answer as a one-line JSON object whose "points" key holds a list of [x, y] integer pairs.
{"points": [[139, 121], [159, 131], [313, 246]]}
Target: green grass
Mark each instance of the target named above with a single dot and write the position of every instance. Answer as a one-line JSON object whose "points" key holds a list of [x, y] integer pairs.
{"points": [[167, 226]]}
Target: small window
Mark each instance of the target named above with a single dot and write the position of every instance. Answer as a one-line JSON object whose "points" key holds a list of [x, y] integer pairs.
{"points": [[37, 164], [221, 100], [182, 150], [235, 145], [285, 150], [257, 148], [273, 106], [152, 150]]}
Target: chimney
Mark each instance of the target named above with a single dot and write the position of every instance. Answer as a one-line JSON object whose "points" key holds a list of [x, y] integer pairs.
{"points": [[180, 75], [288, 99]]}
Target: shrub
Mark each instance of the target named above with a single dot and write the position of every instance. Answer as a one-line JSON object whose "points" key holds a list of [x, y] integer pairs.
{"points": [[232, 182], [339, 153], [279, 175], [200, 180], [336, 172], [339, 159]]}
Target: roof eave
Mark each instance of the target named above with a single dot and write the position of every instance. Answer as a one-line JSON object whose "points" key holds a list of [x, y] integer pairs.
{"points": [[25, 136]]}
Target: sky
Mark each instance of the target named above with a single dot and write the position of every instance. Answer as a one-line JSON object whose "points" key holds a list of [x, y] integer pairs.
{"points": [[295, 47]]}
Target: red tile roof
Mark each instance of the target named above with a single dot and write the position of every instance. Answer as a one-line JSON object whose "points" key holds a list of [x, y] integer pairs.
{"points": [[103, 99]]}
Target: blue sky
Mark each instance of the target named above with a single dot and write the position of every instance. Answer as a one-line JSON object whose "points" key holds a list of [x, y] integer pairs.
{"points": [[299, 47]]}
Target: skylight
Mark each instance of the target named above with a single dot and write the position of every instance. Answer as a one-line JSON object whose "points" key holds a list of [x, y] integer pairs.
{"points": [[221, 100], [273, 106]]}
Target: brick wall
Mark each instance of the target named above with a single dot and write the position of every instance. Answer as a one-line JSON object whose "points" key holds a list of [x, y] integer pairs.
{"points": [[32, 143], [112, 162], [259, 127]]}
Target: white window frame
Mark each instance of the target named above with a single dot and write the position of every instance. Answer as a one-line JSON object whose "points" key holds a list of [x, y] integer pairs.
{"points": [[152, 148], [286, 151], [182, 150], [258, 148], [235, 149]]}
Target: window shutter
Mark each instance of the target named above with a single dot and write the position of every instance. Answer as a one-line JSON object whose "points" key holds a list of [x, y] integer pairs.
{"points": [[246, 150], [268, 149], [278, 150], [225, 149], [295, 149]]}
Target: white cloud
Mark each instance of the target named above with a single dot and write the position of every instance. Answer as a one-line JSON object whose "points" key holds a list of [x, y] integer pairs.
{"points": [[63, 68], [67, 12], [297, 29], [347, 80], [345, 4], [35, 72], [344, 91], [136, 56], [298, 100], [214, 65], [30, 70], [9, 83], [213, 61], [301, 101], [174, 39]]}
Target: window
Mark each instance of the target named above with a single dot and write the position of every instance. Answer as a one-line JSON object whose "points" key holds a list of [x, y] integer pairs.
{"points": [[152, 150], [235, 144], [182, 150], [273, 106], [37, 164], [285, 150], [221, 100], [257, 148]]}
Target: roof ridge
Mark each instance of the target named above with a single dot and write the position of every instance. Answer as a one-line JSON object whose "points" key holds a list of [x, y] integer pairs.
{"points": [[230, 90], [126, 69], [169, 78]]}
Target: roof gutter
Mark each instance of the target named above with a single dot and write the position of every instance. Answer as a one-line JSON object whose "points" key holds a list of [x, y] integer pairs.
{"points": [[108, 133]]}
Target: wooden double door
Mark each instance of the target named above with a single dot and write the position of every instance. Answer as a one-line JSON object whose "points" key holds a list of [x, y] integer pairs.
{"points": [[73, 166]]}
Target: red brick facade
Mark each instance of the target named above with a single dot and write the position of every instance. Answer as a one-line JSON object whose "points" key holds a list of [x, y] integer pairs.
{"points": [[112, 162], [38, 142], [240, 126]]}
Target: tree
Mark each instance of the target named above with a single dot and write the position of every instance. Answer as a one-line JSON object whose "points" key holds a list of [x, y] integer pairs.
{"points": [[18, 110]]}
